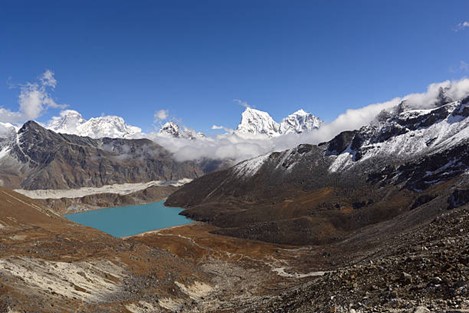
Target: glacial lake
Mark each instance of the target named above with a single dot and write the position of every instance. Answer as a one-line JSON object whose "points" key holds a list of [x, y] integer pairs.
{"points": [[131, 220]]}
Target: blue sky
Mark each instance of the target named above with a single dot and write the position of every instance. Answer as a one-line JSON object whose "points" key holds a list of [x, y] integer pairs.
{"points": [[193, 58]]}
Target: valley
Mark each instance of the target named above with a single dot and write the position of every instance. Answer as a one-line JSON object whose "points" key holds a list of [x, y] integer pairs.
{"points": [[234, 156], [193, 269], [373, 220]]}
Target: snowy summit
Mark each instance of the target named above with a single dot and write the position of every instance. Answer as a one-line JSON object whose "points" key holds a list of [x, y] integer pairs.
{"points": [[72, 122], [171, 129], [299, 122], [256, 122]]}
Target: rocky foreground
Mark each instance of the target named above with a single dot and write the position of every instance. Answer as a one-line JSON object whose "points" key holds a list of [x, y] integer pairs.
{"points": [[416, 262], [424, 270]]}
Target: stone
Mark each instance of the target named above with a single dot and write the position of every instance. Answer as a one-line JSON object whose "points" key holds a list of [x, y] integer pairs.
{"points": [[421, 309]]}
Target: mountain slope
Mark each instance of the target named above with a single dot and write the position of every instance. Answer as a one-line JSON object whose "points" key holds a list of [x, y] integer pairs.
{"points": [[37, 158], [313, 194], [49, 264]]}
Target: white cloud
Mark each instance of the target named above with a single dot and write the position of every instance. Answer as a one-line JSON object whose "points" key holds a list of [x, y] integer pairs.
{"points": [[219, 127], [33, 100], [242, 103], [350, 120], [461, 26], [7, 116], [161, 115], [48, 79], [228, 146], [453, 89]]}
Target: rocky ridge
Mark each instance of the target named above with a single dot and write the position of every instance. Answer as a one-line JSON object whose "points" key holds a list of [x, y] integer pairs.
{"points": [[37, 158]]}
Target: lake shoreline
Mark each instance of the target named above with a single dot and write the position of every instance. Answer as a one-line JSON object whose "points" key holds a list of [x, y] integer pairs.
{"points": [[156, 231], [130, 220]]}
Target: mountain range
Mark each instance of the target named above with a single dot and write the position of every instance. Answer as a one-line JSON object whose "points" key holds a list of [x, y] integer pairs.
{"points": [[373, 220], [38, 158], [311, 194], [256, 122], [253, 122], [173, 130], [72, 122]]}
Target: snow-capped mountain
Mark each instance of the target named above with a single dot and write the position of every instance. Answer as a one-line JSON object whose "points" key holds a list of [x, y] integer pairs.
{"points": [[109, 126], [253, 123], [405, 134], [299, 122], [409, 156], [67, 122], [173, 130], [72, 122], [38, 158], [256, 122]]}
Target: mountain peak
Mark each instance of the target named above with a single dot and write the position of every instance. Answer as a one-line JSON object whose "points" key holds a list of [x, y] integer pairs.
{"points": [[172, 129], [256, 122], [299, 122], [300, 112], [67, 122], [30, 125]]}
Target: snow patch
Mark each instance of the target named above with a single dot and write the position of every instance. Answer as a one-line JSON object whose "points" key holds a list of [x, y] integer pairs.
{"points": [[341, 162], [4, 152], [250, 167]]}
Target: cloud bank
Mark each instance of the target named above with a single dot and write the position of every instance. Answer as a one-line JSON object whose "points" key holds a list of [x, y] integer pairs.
{"points": [[33, 100]]}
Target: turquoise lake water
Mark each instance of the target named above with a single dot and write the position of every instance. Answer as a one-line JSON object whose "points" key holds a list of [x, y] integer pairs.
{"points": [[131, 220]]}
